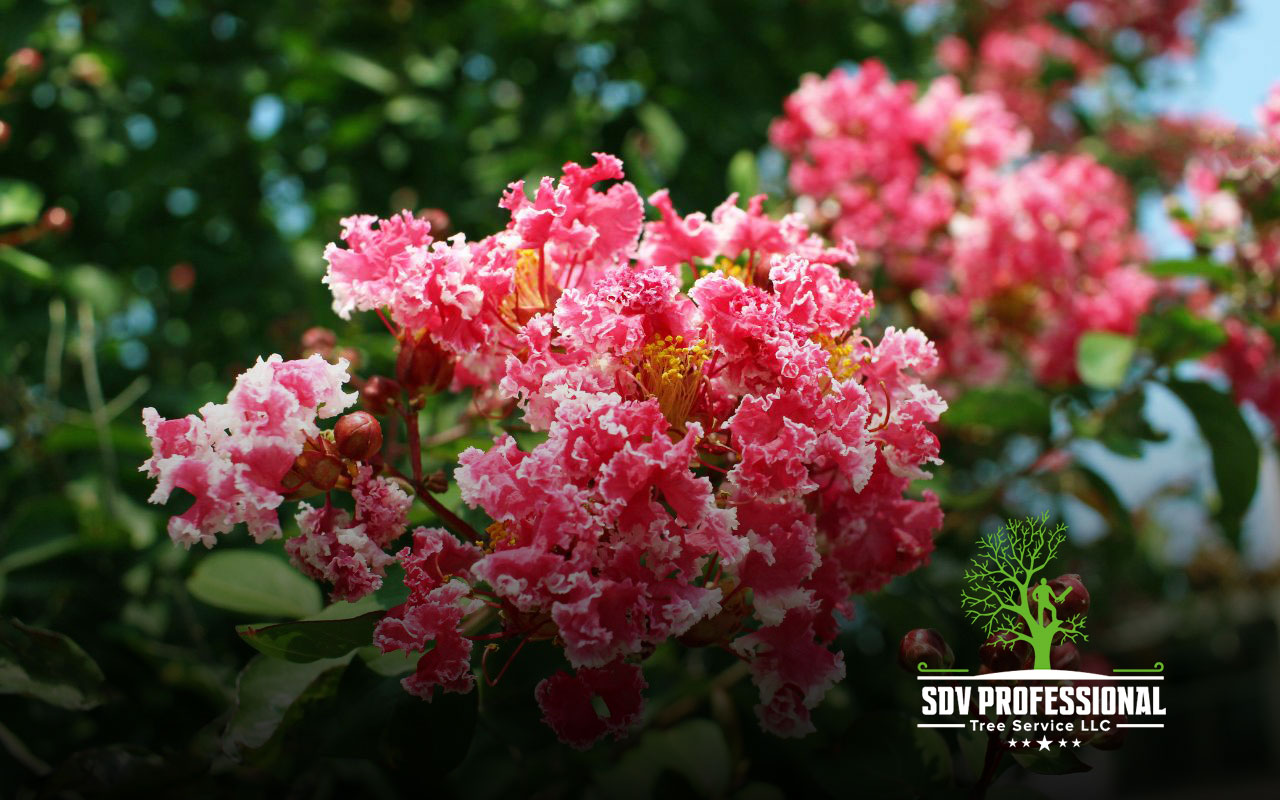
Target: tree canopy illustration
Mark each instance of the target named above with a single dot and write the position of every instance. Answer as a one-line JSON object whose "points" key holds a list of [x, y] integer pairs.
{"points": [[1004, 597]]}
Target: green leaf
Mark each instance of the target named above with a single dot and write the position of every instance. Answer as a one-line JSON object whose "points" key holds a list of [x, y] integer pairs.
{"points": [[1178, 334], [307, 641], [1004, 408], [265, 691], [743, 177], [1234, 450], [1191, 267], [253, 582], [364, 71], [20, 202], [1102, 358], [26, 265], [695, 750], [47, 666], [664, 134]]}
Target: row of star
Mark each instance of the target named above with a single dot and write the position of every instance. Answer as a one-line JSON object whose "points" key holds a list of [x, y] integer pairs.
{"points": [[1044, 743]]}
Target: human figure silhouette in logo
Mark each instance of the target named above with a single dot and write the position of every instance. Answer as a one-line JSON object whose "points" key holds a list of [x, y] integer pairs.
{"points": [[1044, 598]]}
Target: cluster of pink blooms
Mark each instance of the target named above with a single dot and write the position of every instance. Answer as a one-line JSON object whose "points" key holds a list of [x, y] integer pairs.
{"points": [[1005, 255], [1232, 176], [241, 459], [726, 465], [1033, 65]]}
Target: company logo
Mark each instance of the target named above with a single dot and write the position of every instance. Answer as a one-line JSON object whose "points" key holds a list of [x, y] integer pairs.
{"points": [[1030, 694]]}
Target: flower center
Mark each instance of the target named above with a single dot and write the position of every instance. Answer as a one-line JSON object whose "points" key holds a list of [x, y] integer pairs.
{"points": [[671, 371]]}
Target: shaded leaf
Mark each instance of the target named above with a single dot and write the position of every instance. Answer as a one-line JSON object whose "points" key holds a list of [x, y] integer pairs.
{"points": [[743, 176], [1235, 452], [307, 641], [695, 750], [26, 265], [1004, 408], [1178, 334], [265, 690], [253, 582], [47, 666]]}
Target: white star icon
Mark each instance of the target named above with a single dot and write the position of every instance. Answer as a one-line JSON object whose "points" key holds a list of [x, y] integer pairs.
{"points": [[1062, 742], [1044, 743], [1026, 742], [1075, 742]]}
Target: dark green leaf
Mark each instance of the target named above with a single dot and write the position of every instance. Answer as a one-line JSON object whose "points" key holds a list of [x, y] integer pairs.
{"points": [[1191, 267], [47, 666], [25, 264], [1235, 452], [311, 640], [1007, 408], [695, 750], [1178, 334], [265, 691]]}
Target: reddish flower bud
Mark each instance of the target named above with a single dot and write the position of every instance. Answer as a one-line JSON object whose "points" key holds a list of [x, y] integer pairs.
{"points": [[6, 131], [924, 645], [379, 393], [56, 219], [439, 222], [1004, 652], [1065, 656], [317, 469], [24, 63], [358, 436], [422, 365], [318, 340]]}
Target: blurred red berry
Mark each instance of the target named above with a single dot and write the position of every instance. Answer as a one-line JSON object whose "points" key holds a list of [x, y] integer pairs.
{"points": [[182, 276], [24, 63], [56, 219]]}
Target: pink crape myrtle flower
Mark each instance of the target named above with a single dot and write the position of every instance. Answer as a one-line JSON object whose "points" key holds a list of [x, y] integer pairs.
{"points": [[715, 451], [233, 457]]}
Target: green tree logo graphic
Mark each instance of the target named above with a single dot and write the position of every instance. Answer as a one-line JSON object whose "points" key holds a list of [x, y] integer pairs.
{"points": [[1003, 596]]}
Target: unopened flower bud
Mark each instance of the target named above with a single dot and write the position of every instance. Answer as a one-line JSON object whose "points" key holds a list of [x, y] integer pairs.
{"points": [[320, 341], [6, 132], [24, 63], [439, 222], [1004, 652], [924, 645], [422, 365], [1065, 656], [358, 436], [379, 393]]}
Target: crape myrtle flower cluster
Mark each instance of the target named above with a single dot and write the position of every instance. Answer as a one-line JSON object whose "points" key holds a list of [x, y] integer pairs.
{"points": [[995, 254], [725, 457], [1034, 53]]}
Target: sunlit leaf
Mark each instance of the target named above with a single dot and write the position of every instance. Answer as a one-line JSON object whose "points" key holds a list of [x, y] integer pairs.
{"points": [[1103, 358], [253, 582]]}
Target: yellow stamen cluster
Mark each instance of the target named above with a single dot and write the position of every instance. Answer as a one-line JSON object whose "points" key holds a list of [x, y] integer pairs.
{"points": [[839, 357], [735, 270], [534, 289], [500, 537], [670, 370]]}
